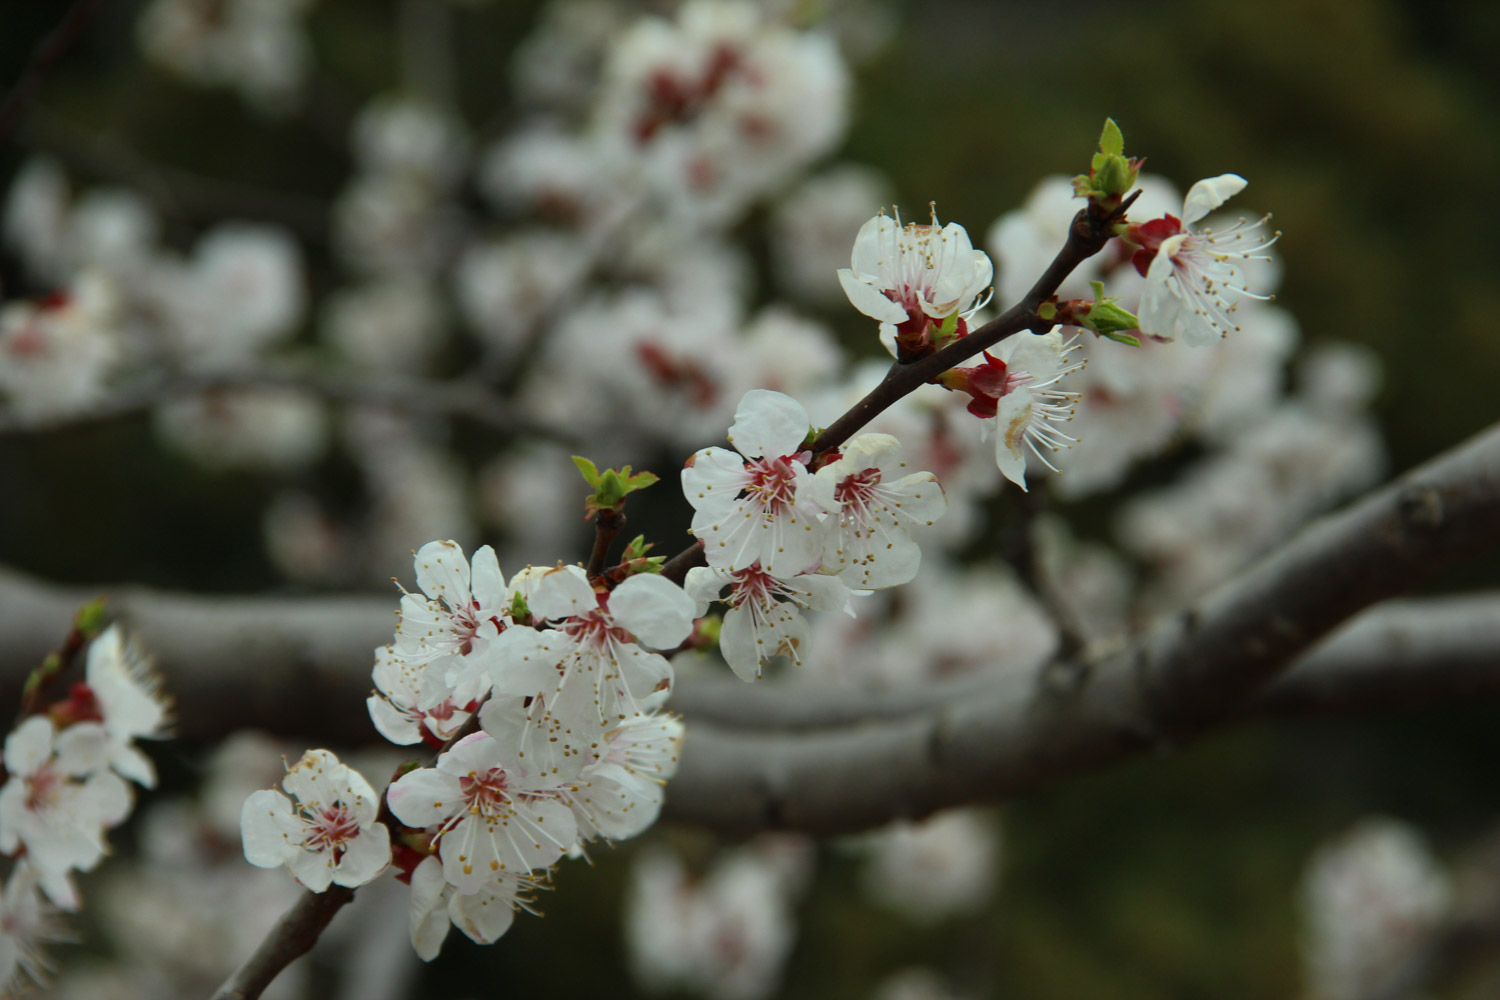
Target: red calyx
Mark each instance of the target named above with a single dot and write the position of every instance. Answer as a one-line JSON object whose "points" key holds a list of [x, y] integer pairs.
{"points": [[79, 706], [1151, 235], [985, 384]]}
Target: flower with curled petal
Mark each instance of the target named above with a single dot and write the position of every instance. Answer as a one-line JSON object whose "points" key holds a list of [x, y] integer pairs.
{"points": [[1196, 277], [763, 620], [325, 833]]}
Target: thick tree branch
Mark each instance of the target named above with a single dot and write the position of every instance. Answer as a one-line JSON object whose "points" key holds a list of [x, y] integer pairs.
{"points": [[459, 398], [1187, 673], [283, 662]]}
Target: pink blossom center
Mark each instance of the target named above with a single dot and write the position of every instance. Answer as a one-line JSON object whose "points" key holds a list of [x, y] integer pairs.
{"points": [[855, 492], [773, 483], [43, 789], [330, 829], [753, 585], [595, 629], [485, 792]]}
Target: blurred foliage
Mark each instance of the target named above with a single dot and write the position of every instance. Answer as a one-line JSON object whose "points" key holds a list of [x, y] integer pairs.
{"points": [[1369, 126]]}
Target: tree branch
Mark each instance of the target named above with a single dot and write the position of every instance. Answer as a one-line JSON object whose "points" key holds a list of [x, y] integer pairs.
{"points": [[292, 937], [281, 662], [458, 398], [1187, 673]]}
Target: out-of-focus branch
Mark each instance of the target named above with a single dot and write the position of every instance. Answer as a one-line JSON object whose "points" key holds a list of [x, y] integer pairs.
{"points": [[173, 191], [464, 399], [1187, 673], [284, 661], [1403, 653], [48, 52]]}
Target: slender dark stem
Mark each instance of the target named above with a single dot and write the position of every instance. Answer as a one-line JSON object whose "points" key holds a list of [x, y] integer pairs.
{"points": [[301, 926], [54, 666], [292, 937], [607, 525], [47, 55]]}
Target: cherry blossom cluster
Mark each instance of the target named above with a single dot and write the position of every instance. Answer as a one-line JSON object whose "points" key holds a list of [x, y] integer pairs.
{"points": [[543, 693], [782, 537], [67, 772]]}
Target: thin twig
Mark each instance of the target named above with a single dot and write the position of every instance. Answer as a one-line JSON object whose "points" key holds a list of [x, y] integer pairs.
{"points": [[47, 54], [459, 398], [607, 525], [1089, 233], [292, 937]]}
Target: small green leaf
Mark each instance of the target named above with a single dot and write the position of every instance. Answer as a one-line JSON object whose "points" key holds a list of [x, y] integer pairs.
{"points": [[1122, 338], [1112, 140], [589, 470]]}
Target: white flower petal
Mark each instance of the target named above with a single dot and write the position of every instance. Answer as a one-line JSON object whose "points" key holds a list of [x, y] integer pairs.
{"points": [[769, 424], [654, 608], [1208, 194], [868, 299], [268, 829]]}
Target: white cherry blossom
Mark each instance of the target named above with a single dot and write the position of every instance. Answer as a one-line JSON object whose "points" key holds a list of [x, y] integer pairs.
{"points": [[325, 833], [461, 604], [763, 620], [869, 543], [1031, 405], [414, 702], [484, 915], [495, 812], [624, 783], [753, 507], [592, 663], [1196, 280], [60, 798], [55, 355], [911, 276]]}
